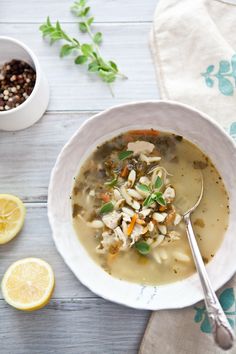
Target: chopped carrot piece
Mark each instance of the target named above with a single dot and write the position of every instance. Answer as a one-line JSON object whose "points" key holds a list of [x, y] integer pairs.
{"points": [[128, 138], [162, 208], [124, 172], [170, 218], [131, 225], [149, 132], [105, 197], [140, 222]]}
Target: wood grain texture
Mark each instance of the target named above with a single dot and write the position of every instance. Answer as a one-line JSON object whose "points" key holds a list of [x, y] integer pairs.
{"points": [[75, 321], [27, 156], [35, 240], [103, 10], [91, 326], [71, 86]]}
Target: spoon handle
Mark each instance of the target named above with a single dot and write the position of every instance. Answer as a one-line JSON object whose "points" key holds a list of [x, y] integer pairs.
{"points": [[221, 329]]}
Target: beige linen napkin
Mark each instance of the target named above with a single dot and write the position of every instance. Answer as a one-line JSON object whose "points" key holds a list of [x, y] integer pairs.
{"points": [[193, 43]]}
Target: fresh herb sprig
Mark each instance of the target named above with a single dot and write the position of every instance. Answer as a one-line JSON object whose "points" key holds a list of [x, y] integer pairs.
{"points": [[154, 194], [112, 183], [123, 155], [142, 247], [107, 208], [89, 53]]}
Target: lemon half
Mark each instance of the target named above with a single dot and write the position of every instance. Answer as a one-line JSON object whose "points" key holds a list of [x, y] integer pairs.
{"points": [[12, 216], [28, 284]]}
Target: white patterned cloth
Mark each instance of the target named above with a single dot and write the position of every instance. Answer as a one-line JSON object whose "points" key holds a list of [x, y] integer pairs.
{"points": [[193, 43]]}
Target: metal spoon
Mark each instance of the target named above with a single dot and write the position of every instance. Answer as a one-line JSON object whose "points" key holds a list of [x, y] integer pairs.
{"points": [[221, 329]]}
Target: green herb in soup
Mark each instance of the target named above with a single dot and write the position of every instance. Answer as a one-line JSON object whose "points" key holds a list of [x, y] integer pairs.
{"points": [[128, 200]]}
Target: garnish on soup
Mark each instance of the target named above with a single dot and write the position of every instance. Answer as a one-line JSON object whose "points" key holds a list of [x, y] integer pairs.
{"points": [[129, 198]]}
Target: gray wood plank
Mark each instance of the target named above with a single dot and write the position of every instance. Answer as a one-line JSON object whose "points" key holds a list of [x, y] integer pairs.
{"points": [[35, 241], [27, 156], [72, 88], [103, 10], [84, 326]]}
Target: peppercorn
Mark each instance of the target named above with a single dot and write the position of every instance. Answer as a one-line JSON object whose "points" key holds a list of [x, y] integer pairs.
{"points": [[17, 80]]}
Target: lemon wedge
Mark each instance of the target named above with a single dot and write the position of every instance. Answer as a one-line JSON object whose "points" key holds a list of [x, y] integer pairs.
{"points": [[12, 216], [28, 284]]}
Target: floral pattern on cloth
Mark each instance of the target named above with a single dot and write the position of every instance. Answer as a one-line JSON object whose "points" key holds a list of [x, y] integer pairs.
{"points": [[225, 75], [228, 303], [232, 131]]}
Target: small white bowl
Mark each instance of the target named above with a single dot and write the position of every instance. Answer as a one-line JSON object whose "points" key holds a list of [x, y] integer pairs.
{"points": [[32, 109], [164, 116]]}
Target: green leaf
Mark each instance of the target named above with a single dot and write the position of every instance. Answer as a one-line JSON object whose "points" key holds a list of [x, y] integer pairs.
{"points": [[125, 154], [76, 41], [210, 69], [159, 199], [55, 37], [90, 21], [142, 247], [49, 21], [227, 299], [97, 38], [158, 183], [86, 49], [58, 26], [113, 65], [143, 187], [95, 55], [81, 3], [81, 59], [225, 86], [83, 27], [107, 208], [86, 11], [66, 49], [107, 76], [149, 200], [93, 67], [224, 66], [111, 183]]}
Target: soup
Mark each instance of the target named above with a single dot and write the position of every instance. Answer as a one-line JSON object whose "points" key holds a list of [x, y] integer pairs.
{"points": [[127, 203]]}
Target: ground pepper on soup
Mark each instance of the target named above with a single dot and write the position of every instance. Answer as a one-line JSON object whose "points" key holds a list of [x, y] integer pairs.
{"points": [[128, 199]]}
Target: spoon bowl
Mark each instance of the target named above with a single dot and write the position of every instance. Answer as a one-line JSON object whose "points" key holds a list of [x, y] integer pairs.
{"points": [[221, 329]]}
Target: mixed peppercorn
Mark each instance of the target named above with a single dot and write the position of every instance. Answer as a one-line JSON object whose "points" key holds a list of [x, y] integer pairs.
{"points": [[17, 80]]}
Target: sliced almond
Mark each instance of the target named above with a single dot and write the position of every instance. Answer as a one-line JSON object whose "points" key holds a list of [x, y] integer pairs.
{"points": [[158, 241], [159, 217], [145, 212], [177, 220], [162, 229], [182, 257], [135, 194], [140, 146], [117, 194], [132, 178], [128, 211], [95, 224], [150, 226]]}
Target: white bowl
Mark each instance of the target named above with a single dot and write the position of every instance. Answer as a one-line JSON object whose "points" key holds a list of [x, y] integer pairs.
{"points": [[165, 116], [32, 109]]}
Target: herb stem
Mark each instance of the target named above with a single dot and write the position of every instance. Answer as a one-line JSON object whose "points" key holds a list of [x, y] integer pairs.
{"points": [[88, 53]]}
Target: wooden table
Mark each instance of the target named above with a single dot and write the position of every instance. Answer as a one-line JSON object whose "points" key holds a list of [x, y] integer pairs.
{"points": [[76, 320]]}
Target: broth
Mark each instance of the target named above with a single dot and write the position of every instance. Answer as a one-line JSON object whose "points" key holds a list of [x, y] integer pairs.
{"points": [[161, 255]]}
